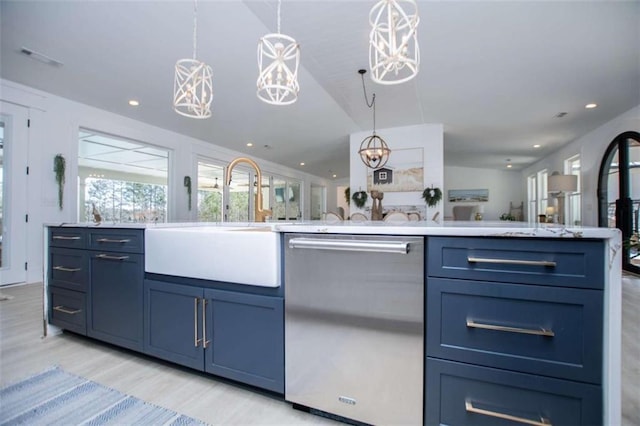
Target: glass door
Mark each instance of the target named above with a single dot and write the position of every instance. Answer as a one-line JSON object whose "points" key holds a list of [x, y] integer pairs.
{"points": [[13, 202], [619, 194]]}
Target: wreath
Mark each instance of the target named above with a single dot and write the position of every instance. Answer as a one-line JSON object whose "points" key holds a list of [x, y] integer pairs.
{"points": [[359, 198], [432, 196]]}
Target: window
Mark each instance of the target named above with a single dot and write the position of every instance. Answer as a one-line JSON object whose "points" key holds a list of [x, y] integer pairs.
{"points": [[537, 194], [573, 200], [210, 185], [286, 205], [121, 179]]}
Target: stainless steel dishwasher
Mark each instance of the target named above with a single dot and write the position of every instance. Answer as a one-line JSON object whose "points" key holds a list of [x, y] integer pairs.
{"points": [[354, 324]]}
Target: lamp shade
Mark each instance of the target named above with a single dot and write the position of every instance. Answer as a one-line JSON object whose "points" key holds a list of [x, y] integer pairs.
{"points": [[550, 211], [562, 183]]}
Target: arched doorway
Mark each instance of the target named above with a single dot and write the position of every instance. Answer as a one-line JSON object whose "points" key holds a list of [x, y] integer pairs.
{"points": [[619, 193]]}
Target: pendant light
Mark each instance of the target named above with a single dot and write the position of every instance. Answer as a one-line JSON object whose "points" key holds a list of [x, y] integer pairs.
{"points": [[394, 56], [374, 151], [278, 61], [193, 87]]}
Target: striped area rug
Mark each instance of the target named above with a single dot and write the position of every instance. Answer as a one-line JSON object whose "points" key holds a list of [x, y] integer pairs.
{"points": [[55, 397]]}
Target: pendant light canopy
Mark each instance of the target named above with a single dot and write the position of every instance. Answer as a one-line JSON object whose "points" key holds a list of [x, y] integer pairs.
{"points": [[394, 56], [278, 61], [374, 151], [193, 86]]}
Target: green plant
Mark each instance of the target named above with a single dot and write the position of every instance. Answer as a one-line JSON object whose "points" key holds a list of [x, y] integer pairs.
{"points": [[432, 196], [347, 194], [507, 216], [59, 167], [360, 198], [187, 183]]}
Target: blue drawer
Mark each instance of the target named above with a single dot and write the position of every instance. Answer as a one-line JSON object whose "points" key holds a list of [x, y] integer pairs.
{"points": [[548, 331], [551, 262], [67, 310], [120, 240], [69, 268], [462, 394], [67, 237]]}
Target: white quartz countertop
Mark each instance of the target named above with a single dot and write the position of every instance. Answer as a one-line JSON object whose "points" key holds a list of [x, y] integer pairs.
{"points": [[451, 228]]}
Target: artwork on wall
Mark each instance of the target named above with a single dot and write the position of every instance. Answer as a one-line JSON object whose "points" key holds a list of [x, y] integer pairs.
{"points": [[403, 172], [468, 195]]}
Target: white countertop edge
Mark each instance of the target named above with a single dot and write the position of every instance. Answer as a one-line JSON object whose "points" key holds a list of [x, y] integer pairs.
{"points": [[457, 228]]}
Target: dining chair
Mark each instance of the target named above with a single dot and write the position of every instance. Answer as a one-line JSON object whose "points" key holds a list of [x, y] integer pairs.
{"points": [[396, 217], [358, 217]]}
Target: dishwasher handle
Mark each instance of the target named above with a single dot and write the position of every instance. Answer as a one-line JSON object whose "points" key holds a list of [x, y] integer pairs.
{"points": [[379, 246]]}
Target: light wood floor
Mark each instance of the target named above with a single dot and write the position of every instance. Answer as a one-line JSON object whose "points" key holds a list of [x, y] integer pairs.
{"points": [[23, 353]]}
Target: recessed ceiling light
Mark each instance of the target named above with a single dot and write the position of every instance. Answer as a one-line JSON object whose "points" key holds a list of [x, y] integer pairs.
{"points": [[302, 164], [335, 175], [590, 106], [509, 166], [133, 102], [537, 145], [249, 144]]}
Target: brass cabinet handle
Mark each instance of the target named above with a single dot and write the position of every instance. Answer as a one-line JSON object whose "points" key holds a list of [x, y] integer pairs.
{"points": [[107, 240], [539, 332], [65, 269], [196, 341], [62, 309], [205, 342], [106, 256], [471, 409], [548, 263], [63, 237]]}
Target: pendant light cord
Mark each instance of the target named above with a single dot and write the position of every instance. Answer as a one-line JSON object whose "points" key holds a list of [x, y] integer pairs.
{"points": [[366, 99], [279, 4], [195, 27]]}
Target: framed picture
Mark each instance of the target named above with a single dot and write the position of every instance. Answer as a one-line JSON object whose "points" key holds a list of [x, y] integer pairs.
{"points": [[403, 172], [468, 195]]}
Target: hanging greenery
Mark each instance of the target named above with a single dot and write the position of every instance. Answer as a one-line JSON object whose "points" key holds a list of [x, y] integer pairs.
{"points": [[360, 198], [432, 196], [59, 167], [187, 184], [347, 194]]}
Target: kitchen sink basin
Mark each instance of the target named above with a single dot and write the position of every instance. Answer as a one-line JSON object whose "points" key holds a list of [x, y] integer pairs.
{"points": [[236, 254]]}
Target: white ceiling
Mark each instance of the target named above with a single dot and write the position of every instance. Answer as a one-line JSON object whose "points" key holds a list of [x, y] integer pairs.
{"points": [[494, 73]]}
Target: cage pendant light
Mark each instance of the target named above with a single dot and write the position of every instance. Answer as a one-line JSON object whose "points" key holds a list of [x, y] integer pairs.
{"points": [[193, 86], [374, 151], [278, 61], [394, 55]]}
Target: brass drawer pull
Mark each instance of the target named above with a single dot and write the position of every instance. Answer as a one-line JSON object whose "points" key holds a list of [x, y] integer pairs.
{"points": [[62, 237], [471, 409], [539, 332], [65, 269], [107, 240], [64, 310], [106, 256], [512, 261]]}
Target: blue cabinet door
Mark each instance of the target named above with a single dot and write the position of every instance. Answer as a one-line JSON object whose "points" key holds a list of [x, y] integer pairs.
{"points": [[173, 320], [245, 334], [116, 303]]}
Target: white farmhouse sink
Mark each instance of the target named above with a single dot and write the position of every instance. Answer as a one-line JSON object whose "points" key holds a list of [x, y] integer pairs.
{"points": [[243, 255]]}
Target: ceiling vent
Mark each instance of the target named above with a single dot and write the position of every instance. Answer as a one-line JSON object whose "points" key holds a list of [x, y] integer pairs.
{"points": [[40, 57]]}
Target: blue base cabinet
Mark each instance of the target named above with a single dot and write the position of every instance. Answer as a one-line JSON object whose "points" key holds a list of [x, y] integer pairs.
{"points": [[114, 311], [234, 335], [514, 331]]}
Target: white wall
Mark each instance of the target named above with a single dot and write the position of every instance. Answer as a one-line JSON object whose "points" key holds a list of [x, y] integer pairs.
{"points": [[591, 148], [426, 136], [504, 187], [55, 122]]}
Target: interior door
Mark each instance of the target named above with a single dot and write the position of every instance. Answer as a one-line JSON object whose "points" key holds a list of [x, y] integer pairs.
{"points": [[14, 137], [619, 194]]}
